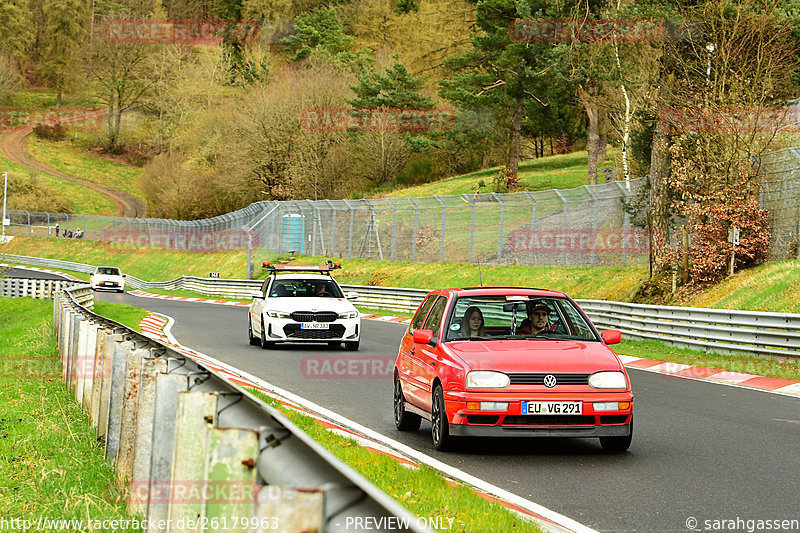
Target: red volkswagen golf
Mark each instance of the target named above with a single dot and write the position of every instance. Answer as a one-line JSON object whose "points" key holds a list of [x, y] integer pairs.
{"points": [[510, 361]]}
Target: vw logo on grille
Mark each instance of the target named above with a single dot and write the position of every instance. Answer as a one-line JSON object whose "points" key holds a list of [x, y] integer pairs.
{"points": [[550, 381]]}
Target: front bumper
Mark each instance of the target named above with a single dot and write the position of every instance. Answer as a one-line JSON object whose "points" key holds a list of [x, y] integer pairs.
{"points": [[287, 330], [512, 423]]}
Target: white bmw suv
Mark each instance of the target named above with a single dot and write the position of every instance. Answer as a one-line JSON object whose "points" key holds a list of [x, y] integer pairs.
{"points": [[107, 277], [303, 303]]}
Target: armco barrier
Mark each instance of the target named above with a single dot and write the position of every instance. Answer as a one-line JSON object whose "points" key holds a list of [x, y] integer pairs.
{"points": [[193, 448], [718, 330]]}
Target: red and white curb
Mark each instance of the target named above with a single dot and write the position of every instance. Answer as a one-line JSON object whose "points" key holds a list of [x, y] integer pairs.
{"points": [[158, 326], [39, 269], [714, 375], [144, 294]]}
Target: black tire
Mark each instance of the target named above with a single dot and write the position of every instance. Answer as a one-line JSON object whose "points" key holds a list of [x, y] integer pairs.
{"points": [[352, 345], [403, 420], [440, 428], [264, 344], [617, 444], [254, 341], [120, 290]]}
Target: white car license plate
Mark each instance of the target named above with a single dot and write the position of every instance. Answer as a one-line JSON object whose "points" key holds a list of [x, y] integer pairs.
{"points": [[552, 408], [313, 325]]}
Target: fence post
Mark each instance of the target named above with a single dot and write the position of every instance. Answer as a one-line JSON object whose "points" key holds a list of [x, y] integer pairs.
{"points": [[441, 238], [334, 216], [352, 221], [563, 251], [502, 220], [533, 223], [394, 225], [414, 235]]}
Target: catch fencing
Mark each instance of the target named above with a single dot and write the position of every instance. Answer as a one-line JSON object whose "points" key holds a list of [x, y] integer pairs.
{"points": [[193, 448], [584, 226]]}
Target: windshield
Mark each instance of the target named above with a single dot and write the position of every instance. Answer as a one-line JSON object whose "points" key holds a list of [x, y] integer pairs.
{"points": [[308, 288], [108, 271], [511, 316]]}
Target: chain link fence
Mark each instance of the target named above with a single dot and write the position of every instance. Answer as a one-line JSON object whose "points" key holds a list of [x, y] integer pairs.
{"points": [[585, 226]]}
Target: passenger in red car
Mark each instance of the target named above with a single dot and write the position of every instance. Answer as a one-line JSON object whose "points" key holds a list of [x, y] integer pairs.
{"points": [[472, 325], [538, 316]]}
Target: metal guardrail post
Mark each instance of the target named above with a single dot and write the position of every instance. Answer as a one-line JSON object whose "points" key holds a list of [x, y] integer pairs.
{"points": [[164, 440], [195, 417], [115, 400], [143, 438], [130, 401]]}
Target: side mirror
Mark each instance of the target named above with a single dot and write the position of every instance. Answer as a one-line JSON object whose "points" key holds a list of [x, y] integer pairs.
{"points": [[611, 336], [124, 276], [257, 296], [423, 336], [351, 295]]}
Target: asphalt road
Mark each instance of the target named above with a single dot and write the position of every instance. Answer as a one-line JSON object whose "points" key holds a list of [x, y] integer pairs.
{"points": [[699, 450]]}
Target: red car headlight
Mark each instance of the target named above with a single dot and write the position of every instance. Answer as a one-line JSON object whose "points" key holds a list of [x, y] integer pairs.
{"points": [[487, 379]]}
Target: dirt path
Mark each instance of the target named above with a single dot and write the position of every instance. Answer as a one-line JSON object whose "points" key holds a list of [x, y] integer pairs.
{"points": [[12, 144]]}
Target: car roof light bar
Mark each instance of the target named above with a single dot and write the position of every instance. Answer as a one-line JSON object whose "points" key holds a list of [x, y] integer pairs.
{"points": [[327, 267]]}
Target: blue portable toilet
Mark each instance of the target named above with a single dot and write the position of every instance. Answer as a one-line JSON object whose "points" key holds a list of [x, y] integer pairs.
{"points": [[294, 230]]}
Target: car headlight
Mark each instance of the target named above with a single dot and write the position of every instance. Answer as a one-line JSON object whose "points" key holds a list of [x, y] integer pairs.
{"points": [[608, 380], [349, 314], [487, 379], [277, 314]]}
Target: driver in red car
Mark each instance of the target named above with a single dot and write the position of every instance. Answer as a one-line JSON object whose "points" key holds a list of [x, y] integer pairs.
{"points": [[538, 317]]}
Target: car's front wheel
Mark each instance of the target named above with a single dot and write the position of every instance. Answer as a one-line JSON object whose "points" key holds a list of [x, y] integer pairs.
{"points": [[265, 345], [351, 345], [403, 420], [440, 428], [617, 444], [254, 341]]}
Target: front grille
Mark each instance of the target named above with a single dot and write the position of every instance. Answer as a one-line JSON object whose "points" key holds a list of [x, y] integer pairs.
{"points": [[548, 420], [293, 331], [538, 379], [310, 316], [613, 419], [482, 419]]}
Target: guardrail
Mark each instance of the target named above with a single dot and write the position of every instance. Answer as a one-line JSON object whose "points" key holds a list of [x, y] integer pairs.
{"points": [[191, 446], [33, 288], [719, 330]]}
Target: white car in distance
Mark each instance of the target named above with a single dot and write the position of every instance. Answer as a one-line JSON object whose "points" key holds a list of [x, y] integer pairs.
{"points": [[303, 303], [107, 277]]}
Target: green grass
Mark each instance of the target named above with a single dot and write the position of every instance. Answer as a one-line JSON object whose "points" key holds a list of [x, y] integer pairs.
{"points": [[81, 198], [44, 99], [51, 464], [70, 157], [122, 314], [773, 287], [424, 491], [554, 172]]}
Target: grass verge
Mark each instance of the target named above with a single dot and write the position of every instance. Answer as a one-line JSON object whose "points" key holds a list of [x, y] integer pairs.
{"points": [[122, 314], [423, 491], [51, 464]]}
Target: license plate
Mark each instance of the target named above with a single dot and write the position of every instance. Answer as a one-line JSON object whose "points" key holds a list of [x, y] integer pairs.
{"points": [[552, 408], [109, 283], [313, 325]]}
